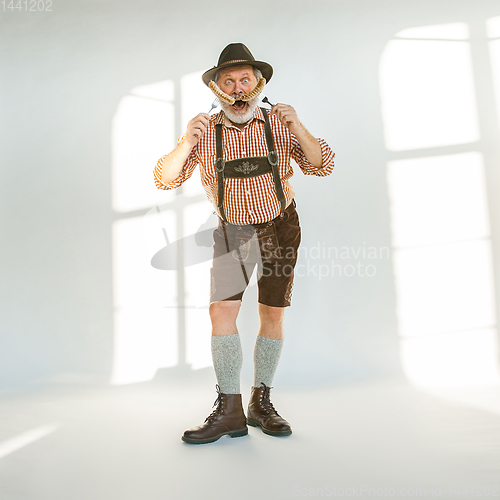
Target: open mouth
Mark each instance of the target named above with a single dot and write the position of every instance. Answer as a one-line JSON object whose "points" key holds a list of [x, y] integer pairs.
{"points": [[239, 105]]}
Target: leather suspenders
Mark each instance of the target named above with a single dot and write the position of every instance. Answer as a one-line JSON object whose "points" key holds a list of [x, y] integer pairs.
{"points": [[247, 167], [273, 159], [219, 167]]}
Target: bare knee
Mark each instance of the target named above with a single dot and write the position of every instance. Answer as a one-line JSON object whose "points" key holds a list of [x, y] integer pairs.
{"points": [[223, 315], [270, 315]]}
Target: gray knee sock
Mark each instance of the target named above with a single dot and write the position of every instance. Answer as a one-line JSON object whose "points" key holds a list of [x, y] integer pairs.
{"points": [[227, 357], [266, 355]]}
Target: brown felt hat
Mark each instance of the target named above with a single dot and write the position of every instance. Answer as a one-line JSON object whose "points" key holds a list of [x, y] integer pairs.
{"points": [[237, 54]]}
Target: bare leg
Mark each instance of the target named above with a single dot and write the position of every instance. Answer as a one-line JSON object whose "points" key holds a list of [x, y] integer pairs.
{"points": [[223, 315], [271, 321]]}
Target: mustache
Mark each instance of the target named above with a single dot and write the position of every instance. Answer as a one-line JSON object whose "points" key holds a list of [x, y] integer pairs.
{"points": [[245, 97], [237, 118]]}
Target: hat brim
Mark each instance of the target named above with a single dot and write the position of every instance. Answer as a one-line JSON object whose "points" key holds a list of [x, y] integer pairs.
{"points": [[265, 69]]}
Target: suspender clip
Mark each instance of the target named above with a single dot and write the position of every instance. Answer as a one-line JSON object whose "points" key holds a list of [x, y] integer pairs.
{"points": [[273, 158], [220, 164]]}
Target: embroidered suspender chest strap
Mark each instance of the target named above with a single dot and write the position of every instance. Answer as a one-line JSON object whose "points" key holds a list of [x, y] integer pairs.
{"points": [[247, 167], [273, 159]]}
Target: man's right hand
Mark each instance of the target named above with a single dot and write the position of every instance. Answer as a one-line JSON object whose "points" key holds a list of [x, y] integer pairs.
{"points": [[174, 161], [196, 128]]}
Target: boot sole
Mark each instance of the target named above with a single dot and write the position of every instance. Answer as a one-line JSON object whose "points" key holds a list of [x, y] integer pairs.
{"points": [[233, 434], [254, 423]]}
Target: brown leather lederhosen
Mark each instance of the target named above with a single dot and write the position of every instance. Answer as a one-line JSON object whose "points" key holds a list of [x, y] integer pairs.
{"points": [[246, 168]]}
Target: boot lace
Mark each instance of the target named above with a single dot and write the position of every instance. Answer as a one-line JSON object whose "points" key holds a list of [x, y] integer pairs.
{"points": [[219, 403], [266, 400]]}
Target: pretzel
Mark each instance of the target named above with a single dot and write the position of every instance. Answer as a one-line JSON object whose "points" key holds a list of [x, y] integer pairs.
{"points": [[231, 100]]}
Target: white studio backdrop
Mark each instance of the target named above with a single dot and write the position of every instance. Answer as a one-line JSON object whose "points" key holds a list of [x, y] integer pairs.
{"points": [[399, 272]]}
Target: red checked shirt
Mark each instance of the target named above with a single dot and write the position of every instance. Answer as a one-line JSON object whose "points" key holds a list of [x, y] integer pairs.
{"points": [[247, 200]]}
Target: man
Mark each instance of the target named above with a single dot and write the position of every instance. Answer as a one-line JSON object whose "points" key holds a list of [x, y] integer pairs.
{"points": [[244, 154]]}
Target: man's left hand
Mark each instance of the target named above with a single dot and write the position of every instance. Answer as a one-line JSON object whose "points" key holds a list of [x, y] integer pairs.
{"points": [[287, 116], [310, 146]]}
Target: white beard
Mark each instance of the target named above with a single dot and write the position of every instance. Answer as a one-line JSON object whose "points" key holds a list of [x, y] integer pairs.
{"points": [[237, 118]]}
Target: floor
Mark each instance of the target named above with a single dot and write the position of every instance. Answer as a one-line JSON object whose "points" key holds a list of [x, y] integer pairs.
{"points": [[383, 439]]}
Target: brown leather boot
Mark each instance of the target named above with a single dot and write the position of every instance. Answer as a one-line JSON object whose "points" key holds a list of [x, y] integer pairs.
{"points": [[261, 413], [227, 418]]}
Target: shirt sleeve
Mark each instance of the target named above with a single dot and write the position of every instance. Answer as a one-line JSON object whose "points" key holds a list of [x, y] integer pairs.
{"points": [[185, 174], [327, 157]]}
